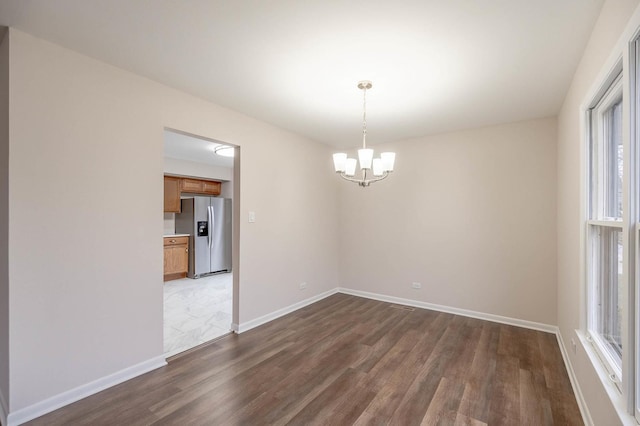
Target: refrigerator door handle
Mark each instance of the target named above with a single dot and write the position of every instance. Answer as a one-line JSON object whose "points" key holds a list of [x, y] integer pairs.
{"points": [[211, 220], [208, 226]]}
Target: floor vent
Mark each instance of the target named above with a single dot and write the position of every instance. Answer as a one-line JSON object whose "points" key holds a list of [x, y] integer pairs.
{"points": [[402, 307]]}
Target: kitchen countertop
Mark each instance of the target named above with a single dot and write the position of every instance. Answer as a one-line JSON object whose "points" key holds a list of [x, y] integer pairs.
{"points": [[176, 235]]}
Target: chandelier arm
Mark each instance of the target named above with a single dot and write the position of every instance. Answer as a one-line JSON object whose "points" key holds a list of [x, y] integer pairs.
{"points": [[376, 179], [350, 179], [363, 182]]}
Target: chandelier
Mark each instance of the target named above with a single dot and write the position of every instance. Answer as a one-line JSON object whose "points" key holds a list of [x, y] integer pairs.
{"points": [[372, 169]]}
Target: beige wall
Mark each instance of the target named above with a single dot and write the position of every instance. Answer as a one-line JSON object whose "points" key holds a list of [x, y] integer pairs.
{"points": [[86, 294], [470, 215], [4, 219], [295, 236], [612, 20]]}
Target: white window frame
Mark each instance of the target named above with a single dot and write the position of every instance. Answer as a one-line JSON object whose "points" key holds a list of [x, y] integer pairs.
{"points": [[632, 163], [610, 93]]}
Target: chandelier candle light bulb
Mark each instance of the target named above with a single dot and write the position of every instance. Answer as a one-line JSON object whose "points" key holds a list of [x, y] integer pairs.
{"points": [[365, 156], [379, 168], [388, 158], [340, 161], [350, 167]]}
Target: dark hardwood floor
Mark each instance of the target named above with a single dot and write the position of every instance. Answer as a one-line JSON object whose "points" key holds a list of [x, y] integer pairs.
{"points": [[347, 360]]}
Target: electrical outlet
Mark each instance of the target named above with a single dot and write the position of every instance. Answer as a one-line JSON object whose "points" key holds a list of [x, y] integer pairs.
{"points": [[573, 346], [416, 286], [303, 286]]}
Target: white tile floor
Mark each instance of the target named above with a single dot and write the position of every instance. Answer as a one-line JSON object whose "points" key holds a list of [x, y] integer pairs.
{"points": [[196, 311]]}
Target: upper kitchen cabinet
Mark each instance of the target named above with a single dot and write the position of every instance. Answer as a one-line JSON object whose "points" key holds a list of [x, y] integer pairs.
{"points": [[172, 194], [191, 185], [174, 186], [211, 188], [199, 186]]}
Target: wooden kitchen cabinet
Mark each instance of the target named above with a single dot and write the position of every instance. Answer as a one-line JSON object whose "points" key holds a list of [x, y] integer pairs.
{"points": [[200, 186], [176, 257], [172, 194], [210, 187], [191, 185], [174, 186]]}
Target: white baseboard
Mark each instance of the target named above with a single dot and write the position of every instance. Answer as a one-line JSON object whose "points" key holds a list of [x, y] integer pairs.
{"points": [[246, 326], [582, 404], [73, 395], [48, 405], [457, 311], [240, 328]]}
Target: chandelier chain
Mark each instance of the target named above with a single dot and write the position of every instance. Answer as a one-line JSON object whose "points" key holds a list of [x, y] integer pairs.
{"points": [[364, 118]]}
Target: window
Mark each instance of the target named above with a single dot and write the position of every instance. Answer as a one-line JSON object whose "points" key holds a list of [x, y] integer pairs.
{"points": [[612, 232], [606, 286], [606, 326]]}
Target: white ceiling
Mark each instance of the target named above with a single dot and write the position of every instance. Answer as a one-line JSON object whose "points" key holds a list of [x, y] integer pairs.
{"points": [[191, 148], [436, 65]]}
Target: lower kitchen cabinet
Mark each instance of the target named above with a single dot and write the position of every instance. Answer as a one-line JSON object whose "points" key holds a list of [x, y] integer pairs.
{"points": [[176, 257]]}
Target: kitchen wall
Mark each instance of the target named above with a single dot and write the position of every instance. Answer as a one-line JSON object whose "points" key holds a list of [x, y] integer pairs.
{"points": [[169, 224], [613, 18], [470, 215], [226, 189], [174, 166], [96, 148], [4, 221]]}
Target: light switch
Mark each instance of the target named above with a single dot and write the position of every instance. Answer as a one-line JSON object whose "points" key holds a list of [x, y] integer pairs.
{"points": [[252, 217]]}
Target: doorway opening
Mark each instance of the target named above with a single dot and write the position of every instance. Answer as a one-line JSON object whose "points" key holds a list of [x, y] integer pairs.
{"points": [[198, 239]]}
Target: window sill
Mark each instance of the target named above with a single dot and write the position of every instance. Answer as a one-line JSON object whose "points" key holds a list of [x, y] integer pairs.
{"points": [[610, 388]]}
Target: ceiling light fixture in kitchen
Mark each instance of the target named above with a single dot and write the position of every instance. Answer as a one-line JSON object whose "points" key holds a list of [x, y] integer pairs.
{"points": [[224, 151], [373, 169]]}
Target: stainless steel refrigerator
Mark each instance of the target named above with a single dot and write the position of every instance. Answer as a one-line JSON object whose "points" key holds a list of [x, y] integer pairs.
{"points": [[208, 221]]}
